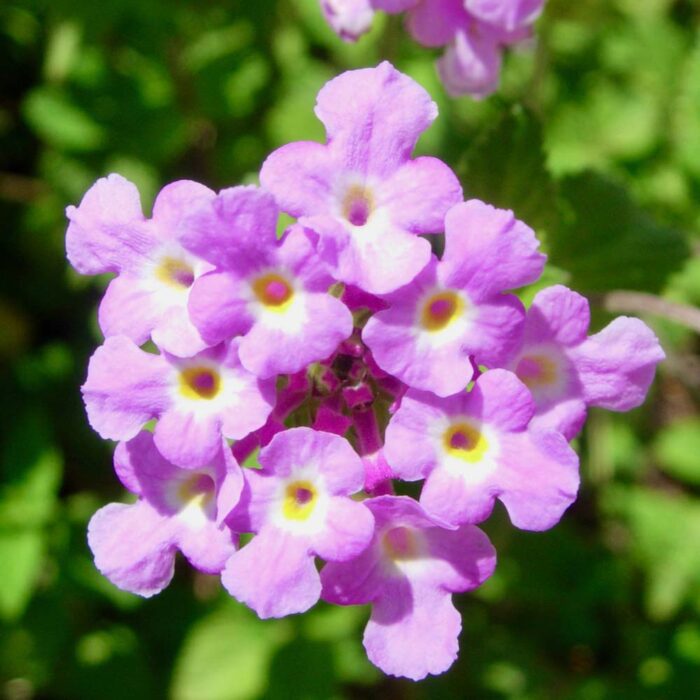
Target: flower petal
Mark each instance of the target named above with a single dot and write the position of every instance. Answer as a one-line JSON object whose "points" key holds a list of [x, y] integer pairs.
{"points": [[274, 574], [413, 631], [373, 117], [107, 230], [133, 547], [125, 388]]}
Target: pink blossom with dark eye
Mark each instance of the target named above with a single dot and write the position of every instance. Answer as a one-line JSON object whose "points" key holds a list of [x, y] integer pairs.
{"points": [[361, 194], [148, 298], [566, 370]]}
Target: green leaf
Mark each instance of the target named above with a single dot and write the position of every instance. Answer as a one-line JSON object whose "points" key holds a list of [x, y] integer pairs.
{"points": [[609, 243], [506, 167], [677, 449], [686, 116], [664, 536], [61, 123], [21, 556], [31, 470], [226, 656]]}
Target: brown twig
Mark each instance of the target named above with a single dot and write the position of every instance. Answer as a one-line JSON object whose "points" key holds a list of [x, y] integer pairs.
{"points": [[19, 188], [643, 303]]}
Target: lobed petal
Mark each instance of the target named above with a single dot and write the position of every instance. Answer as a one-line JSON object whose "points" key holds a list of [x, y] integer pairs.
{"points": [[274, 574], [377, 258], [419, 194], [413, 631], [234, 230], [127, 308], [434, 22], [218, 306], [471, 64], [373, 118], [538, 478], [509, 16], [617, 365], [107, 231], [133, 547], [125, 388], [173, 204], [348, 530], [350, 19], [488, 251], [558, 314]]}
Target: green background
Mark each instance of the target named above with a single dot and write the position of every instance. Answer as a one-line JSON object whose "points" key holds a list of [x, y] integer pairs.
{"points": [[594, 139]]}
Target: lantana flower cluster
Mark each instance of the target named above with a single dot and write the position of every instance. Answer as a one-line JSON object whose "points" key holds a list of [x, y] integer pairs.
{"points": [[342, 358], [474, 33]]}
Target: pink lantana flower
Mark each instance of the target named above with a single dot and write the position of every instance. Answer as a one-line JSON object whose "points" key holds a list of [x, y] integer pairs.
{"points": [[361, 193], [274, 294], [177, 510], [475, 447], [197, 400], [567, 371], [456, 308], [350, 19], [148, 299], [300, 507], [408, 573], [475, 33]]}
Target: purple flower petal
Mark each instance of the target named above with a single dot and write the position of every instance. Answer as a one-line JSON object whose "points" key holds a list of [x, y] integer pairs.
{"points": [[348, 530], [350, 19], [107, 231], [125, 309], [471, 64], [362, 258], [413, 631], [559, 314], [187, 439], [434, 22], [125, 388], [133, 547], [617, 365], [538, 480], [488, 250], [310, 190], [174, 202], [218, 306], [373, 117], [274, 574], [231, 230], [509, 15], [419, 193]]}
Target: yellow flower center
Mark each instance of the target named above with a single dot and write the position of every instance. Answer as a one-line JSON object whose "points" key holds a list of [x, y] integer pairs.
{"points": [[536, 370], [176, 273], [197, 490], [273, 291], [358, 204], [440, 309], [400, 543], [199, 383], [299, 500], [466, 442]]}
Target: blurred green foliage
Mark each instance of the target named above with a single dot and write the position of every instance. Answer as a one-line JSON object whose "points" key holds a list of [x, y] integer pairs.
{"points": [[594, 139]]}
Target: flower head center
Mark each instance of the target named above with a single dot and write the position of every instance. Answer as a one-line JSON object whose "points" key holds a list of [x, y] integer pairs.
{"points": [[440, 309], [197, 489], [465, 441], [299, 500], [199, 382], [175, 272], [536, 370], [273, 291], [358, 205], [400, 543]]}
